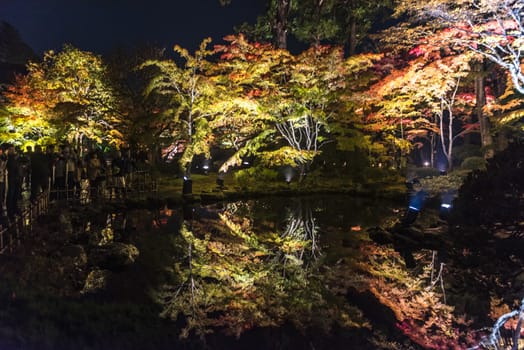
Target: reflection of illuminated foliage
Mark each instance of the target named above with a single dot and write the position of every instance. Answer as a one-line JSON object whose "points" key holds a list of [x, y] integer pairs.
{"points": [[233, 281], [417, 306], [301, 227]]}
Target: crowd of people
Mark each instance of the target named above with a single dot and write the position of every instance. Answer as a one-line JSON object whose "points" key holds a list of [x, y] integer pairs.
{"points": [[62, 172]]}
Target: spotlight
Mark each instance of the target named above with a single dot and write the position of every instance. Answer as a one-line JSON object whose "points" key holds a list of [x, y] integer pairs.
{"points": [[446, 204]]}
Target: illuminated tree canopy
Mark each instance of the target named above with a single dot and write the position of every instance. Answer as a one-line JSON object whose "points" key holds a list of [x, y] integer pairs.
{"points": [[70, 91], [260, 100]]}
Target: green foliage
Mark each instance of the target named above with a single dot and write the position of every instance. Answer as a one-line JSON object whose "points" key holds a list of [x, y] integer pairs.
{"points": [[436, 185], [473, 163], [67, 95], [250, 177], [191, 94]]}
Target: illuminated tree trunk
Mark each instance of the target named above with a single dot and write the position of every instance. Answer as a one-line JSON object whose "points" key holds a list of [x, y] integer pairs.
{"points": [[447, 136], [303, 135], [433, 146]]}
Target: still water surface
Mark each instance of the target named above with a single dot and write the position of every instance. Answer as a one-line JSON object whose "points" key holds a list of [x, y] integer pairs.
{"points": [[271, 273]]}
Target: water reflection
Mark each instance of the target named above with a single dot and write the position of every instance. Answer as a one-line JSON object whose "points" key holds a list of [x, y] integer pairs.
{"points": [[234, 279], [269, 264], [301, 226]]}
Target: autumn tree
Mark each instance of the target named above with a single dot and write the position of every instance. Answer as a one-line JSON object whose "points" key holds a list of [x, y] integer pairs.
{"points": [[252, 74], [26, 108], [191, 93], [291, 98], [420, 101], [492, 28], [86, 101], [304, 111], [70, 91]]}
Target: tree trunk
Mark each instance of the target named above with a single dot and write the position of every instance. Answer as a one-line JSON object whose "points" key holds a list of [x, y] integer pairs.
{"points": [[433, 149], [485, 125], [303, 172], [353, 36], [281, 23]]}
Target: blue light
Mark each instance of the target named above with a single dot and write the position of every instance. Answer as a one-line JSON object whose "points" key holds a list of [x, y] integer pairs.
{"points": [[445, 205], [414, 208]]}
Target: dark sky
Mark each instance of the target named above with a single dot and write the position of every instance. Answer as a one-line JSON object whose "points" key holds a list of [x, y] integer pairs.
{"points": [[100, 25]]}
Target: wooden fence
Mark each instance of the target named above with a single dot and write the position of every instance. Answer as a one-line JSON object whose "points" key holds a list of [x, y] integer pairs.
{"points": [[14, 229]]}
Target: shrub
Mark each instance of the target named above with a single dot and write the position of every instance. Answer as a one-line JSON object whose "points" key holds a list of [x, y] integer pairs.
{"points": [[251, 176], [426, 172], [474, 163]]}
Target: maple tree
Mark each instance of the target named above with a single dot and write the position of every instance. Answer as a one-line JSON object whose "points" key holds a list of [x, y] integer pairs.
{"points": [[423, 99], [70, 91], [86, 101], [246, 74], [190, 94], [25, 113], [303, 113], [492, 28]]}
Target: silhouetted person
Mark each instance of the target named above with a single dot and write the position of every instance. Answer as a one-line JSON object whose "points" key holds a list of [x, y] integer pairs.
{"points": [[94, 173], [39, 172]]}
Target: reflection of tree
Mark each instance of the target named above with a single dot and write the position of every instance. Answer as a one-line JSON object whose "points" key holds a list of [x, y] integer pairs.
{"points": [[302, 227], [234, 280], [419, 308]]}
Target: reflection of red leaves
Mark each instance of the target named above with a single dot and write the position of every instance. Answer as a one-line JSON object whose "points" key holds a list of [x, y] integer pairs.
{"points": [[417, 51], [419, 335], [255, 93]]}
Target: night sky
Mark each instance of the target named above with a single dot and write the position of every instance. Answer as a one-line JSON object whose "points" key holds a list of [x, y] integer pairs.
{"points": [[101, 25]]}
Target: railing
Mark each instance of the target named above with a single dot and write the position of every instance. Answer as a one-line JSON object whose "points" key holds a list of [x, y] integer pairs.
{"points": [[112, 188], [108, 188], [21, 225]]}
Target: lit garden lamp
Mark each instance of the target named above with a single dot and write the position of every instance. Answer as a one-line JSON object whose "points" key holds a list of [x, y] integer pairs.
{"points": [[442, 169], [288, 174], [206, 166], [416, 202]]}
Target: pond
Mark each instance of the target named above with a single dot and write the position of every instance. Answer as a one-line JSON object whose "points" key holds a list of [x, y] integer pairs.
{"points": [[269, 273]]}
